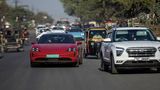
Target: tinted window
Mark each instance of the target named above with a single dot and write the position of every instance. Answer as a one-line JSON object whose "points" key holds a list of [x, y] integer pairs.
{"points": [[134, 35], [46, 39]]}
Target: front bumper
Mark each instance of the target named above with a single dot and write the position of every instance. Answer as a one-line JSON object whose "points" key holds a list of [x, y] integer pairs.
{"points": [[139, 64], [70, 57]]}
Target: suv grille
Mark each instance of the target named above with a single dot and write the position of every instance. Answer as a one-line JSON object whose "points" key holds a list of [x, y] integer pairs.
{"points": [[141, 51]]}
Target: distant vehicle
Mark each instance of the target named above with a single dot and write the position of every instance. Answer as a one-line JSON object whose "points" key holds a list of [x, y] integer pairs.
{"points": [[93, 39], [58, 29], [47, 32], [55, 48], [13, 41], [39, 29], [130, 48], [77, 33]]}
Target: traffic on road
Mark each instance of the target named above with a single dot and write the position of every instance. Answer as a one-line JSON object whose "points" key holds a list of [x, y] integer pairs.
{"points": [[106, 45]]}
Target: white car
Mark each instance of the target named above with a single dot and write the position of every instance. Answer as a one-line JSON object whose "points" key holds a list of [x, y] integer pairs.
{"points": [[37, 38], [130, 47], [39, 29], [58, 29]]}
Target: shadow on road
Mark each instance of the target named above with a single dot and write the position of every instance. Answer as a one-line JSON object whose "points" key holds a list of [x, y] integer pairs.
{"points": [[134, 71], [54, 66]]}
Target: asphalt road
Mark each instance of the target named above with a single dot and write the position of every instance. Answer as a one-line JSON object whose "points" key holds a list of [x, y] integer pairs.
{"points": [[16, 74]]}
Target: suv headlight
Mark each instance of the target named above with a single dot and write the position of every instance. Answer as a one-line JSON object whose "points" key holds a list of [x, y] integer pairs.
{"points": [[119, 51]]}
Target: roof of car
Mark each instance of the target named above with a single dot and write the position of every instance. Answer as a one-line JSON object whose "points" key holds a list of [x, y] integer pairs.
{"points": [[53, 33], [129, 28]]}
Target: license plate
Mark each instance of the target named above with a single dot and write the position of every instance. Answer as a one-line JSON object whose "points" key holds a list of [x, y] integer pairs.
{"points": [[142, 58], [52, 56]]}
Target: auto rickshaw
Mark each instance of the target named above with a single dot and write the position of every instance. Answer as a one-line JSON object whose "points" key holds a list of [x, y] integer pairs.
{"points": [[13, 40], [93, 38]]}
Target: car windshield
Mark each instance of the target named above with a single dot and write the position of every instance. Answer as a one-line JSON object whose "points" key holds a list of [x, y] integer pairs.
{"points": [[97, 33], [134, 35], [50, 38]]}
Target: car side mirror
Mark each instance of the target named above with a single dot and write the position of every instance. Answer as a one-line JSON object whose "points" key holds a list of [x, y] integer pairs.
{"points": [[107, 40]]}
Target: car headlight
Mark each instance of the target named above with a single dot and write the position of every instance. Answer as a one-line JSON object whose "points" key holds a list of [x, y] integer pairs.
{"points": [[35, 49], [71, 49], [119, 51]]}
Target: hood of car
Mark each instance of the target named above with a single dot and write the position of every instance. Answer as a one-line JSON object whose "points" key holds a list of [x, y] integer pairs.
{"points": [[127, 44]]}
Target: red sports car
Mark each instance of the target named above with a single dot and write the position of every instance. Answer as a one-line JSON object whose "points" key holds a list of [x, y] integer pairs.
{"points": [[55, 48]]}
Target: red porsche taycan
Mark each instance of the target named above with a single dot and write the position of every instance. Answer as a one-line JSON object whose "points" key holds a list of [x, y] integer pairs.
{"points": [[55, 48]]}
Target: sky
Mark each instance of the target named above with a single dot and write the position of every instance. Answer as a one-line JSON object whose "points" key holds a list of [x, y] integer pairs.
{"points": [[53, 7]]}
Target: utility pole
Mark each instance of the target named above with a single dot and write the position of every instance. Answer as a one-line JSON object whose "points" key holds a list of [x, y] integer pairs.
{"points": [[16, 3]]}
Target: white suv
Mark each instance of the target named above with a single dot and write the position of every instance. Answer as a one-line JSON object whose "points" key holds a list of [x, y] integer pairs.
{"points": [[130, 47]]}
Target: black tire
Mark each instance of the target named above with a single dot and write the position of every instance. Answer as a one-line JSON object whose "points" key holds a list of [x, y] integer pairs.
{"points": [[113, 68], [1, 52], [85, 54], [81, 60], [98, 55], [103, 65], [158, 70], [5, 50], [20, 49], [76, 64]]}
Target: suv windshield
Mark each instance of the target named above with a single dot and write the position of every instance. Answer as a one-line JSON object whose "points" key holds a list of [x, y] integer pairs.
{"points": [[49, 39], [134, 35]]}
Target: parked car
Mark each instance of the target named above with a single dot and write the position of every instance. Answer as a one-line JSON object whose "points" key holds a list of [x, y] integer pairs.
{"points": [[55, 48], [93, 39], [130, 48]]}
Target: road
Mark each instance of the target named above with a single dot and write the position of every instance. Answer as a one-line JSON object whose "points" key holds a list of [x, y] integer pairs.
{"points": [[16, 74]]}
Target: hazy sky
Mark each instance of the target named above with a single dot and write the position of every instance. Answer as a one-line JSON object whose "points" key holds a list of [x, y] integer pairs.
{"points": [[52, 7]]}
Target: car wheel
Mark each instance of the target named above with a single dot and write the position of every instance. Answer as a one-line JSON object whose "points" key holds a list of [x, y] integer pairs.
{"points": [[85, 54], [5, 50], [20, 49], [103, 66], [81, 60], [113, 68], [98, 55], [1, 52], [76, 64]]}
